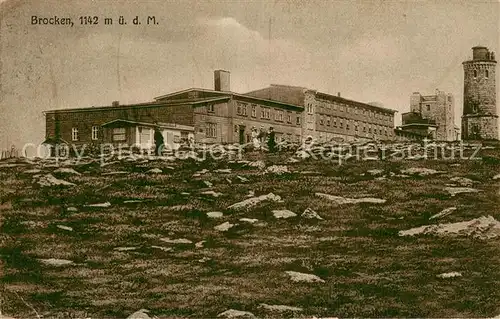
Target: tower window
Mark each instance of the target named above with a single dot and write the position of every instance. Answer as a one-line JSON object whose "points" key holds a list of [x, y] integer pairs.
{"points": [[475, 73], [486, 73], [428, 107]]}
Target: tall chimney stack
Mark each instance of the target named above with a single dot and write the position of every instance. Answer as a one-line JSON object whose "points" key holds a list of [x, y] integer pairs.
{"points": [[222, 81]]}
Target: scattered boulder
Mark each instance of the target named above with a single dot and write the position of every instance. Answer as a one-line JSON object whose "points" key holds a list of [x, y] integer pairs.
{"points": [[343, 200], [232, 313], [209, 184], [66, 170], [310, 214], [257, 164], [65, 227], [280, 308], [283, 214], [302, 277], [224, 226], [496, 176], [462, 181], [223, 170], [452, 274], [176, 241], [211, 193], [482, 228], [249, 220], [242, 179], [200, 244], [155, 171], [277, 169], [457, 190], [199, 173], [444, 212], [72, 209], [215, 214], [166, 249], [250, 202], [50, 180], [32, 171], [56, 262], [375, 172], [125, 248], [100, 205], [140, 314], [422, 171]]}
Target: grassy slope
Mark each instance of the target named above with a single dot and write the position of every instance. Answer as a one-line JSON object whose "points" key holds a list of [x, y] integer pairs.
{"points": [[369, 270]]}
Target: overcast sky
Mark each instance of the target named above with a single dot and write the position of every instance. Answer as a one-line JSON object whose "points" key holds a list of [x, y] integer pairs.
{"points": [[367, 50]]}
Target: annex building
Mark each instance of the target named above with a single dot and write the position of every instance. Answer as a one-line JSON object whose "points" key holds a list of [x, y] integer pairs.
{"points": [[222, 116]]}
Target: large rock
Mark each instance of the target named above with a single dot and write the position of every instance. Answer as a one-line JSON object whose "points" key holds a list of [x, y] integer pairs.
{"points": [[482, 228], [344, 200]]}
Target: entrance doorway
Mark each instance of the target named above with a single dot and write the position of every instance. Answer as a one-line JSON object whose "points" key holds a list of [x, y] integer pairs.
{"points": [[242, 134]]}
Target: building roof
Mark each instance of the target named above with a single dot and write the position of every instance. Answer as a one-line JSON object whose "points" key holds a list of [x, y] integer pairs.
{"points": [[140, 105], [159, 124], [226, 94], [327, 96]]}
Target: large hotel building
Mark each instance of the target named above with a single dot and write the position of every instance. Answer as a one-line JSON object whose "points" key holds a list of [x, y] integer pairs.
{"points": [[222, 116]]}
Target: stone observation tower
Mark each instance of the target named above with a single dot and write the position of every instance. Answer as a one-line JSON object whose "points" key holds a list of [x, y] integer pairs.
{"points": [[480, 119]]}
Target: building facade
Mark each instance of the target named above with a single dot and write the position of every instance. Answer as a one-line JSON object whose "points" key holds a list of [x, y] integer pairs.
{"points": [[329, 117], [480, 117], [222, 116], [431, 116]]}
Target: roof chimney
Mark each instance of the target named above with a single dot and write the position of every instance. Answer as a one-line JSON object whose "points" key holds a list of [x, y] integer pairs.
{"points": [[338, 94], [115, 103], [222, 80]]}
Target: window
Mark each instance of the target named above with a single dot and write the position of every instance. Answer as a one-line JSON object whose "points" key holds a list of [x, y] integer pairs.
{"points": [[428, 107], [254, 111], [309, 109], [364, 128], [369, 130], [486, 73], [341, 124], [321, 120], [347, 126], [74, 134], [119, 134], [356, 128], [262, 113], [328, 120], [210, 108], [211, 130], [241, 109], [268, 114], [95, 133], [297, 120], [475, 74], [289, 117], [278, 115], [335, 122]]}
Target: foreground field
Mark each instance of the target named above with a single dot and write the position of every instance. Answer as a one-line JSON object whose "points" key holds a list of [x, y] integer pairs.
{"points": [[124, 238]]}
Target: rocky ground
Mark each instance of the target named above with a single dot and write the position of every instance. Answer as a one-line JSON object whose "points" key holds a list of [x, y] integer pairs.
{"points": [[280, 235]]}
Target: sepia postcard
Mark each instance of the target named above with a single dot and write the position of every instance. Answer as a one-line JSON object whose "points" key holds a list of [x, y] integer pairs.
{"points": [[249, 159]]}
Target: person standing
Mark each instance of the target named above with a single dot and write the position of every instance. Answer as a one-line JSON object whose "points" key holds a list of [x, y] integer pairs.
{"points": [[158, 136], [255, 138], [271, 140]]}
